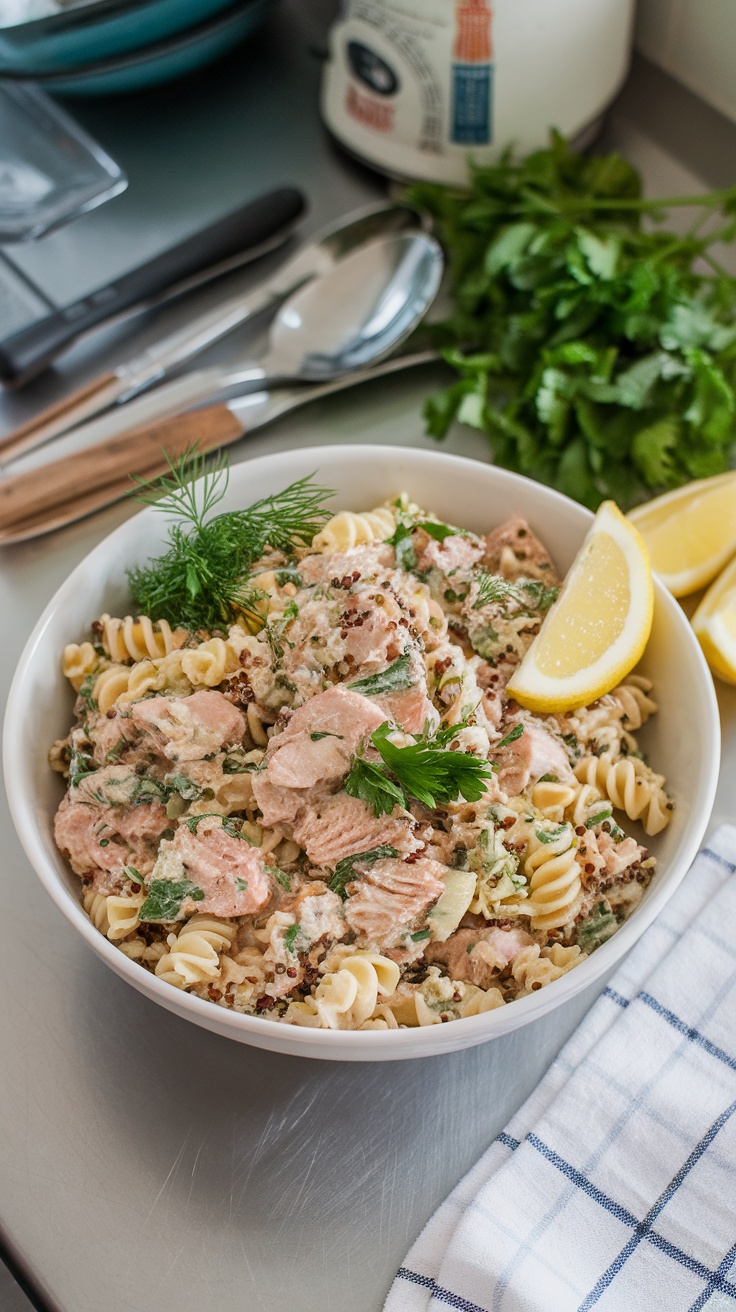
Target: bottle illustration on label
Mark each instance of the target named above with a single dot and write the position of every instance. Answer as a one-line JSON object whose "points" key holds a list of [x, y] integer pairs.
{"points": [[472, 74]]}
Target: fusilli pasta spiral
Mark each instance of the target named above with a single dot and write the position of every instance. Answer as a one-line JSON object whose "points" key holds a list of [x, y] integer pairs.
{"points": [[535, 967], [114, 916], [350, 529], [630, 786], [635, 701], [554, 879], [553, 799], [346, 998], [194, 954], [77, 662], [131, 639]]}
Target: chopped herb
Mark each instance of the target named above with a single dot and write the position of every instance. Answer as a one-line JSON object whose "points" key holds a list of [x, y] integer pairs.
{"points": [[315, 737], [228, 825], [403, 545], [598, 818], [132, 874], [420, 934], [290, 937], [165, 896], [394, 678], [201, 580], [104, 842], [551, 835], [288, 575], [144, 789], [369, 782], [529, 593], [344, 870], [80, 766], [548, 779], [275, 630], [241, 884], [85, 691], [598, 927], [186, 788], [233, 765], [441, 531], [516, 732], [283, 879]]}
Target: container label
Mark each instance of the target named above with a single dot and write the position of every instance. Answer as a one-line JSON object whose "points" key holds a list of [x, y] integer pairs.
{"points": [[471, 121]]}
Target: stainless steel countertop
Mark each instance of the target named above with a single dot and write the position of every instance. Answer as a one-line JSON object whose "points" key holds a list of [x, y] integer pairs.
{"points": [[148, 1164]]}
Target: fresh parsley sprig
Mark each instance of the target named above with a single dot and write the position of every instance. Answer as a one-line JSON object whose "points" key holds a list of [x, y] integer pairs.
{"points": [[423, 769], [201, 579], [590, 346]]}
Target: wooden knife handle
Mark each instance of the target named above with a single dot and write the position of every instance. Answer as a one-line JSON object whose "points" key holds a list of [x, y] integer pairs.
{"points": [[60, 416], [44, 492]]}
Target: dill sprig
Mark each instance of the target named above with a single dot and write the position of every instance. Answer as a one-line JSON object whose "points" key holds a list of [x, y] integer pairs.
{"points": [[532, 594], [201, 579]]}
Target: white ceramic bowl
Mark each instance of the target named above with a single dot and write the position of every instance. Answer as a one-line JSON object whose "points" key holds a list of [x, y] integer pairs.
{"points": [[683, 740]]}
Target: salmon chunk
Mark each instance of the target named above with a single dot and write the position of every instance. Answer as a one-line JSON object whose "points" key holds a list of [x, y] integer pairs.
{"points": [[390, 896], [367, 561], [230, 872], [475, 956], [341, 825], [107, 823], [458, 554], [312, 755], [535, 753], [189, 728], [514, 551]]}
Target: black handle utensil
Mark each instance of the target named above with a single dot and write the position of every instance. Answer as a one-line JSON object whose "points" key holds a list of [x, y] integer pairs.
{"points": [[243, 235]]}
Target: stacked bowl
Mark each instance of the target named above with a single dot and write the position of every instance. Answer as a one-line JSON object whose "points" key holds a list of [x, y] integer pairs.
{"points": [[98, 47]]}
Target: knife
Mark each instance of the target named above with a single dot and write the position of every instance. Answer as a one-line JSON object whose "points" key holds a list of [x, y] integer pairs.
{"points": [[59, 493], [245, 234], [181, 346]]}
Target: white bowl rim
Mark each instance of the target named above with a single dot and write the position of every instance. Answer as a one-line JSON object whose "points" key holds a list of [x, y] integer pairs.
{"points": [[360, 1044]]}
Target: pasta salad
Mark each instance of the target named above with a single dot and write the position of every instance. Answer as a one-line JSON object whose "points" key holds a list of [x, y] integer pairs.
{"points": [[307, 796]]}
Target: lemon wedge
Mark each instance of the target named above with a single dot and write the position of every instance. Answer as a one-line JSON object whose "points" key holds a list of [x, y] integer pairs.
{"points": [[690, 533], [598, 627], [714, 623]]}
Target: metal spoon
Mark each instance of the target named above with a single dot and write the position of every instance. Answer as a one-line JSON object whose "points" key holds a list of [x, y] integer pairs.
{"points": [[353, 316], [178, 348]]}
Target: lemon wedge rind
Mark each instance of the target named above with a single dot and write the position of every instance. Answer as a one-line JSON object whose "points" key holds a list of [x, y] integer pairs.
{"points": [[598, 628], [690, 533], [714, 623]]}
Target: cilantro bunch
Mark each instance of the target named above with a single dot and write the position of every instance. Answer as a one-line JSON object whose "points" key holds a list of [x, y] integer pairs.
{"points": [[596, 350]]}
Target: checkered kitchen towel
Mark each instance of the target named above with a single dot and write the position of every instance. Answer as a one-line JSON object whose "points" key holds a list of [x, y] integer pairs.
{"points": [[614, 1186]]}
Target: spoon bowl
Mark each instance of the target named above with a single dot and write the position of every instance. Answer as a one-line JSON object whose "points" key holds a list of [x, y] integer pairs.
{"points": [[357, 313]]}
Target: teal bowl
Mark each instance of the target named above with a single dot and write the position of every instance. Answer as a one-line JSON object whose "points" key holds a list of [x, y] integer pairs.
{"points": [[124, 45]]}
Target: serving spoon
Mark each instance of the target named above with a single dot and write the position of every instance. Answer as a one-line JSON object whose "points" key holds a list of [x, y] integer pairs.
{"points": [[354, 315], [171, 353], [336, 327]]}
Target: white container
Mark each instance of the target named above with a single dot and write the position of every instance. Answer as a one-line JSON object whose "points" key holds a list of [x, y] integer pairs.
{"points": [[415, 87], [683, 739]]}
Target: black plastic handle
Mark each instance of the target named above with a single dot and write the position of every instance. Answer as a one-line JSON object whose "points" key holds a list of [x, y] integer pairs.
{"points": [[26, 353]]}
